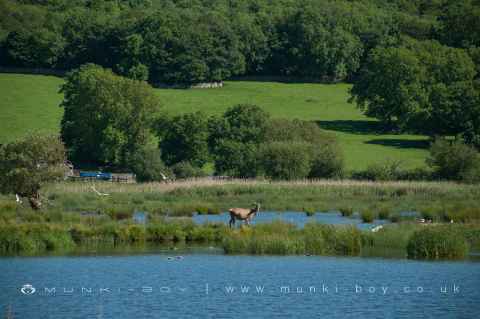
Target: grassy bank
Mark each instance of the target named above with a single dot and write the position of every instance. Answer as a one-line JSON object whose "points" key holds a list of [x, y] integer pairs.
{"points": [[31, 238], [31, 102], [276, 238]]}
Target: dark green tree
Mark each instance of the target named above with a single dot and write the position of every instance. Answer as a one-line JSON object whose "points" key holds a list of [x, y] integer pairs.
{"points": [[460, 24], [29, 163], [310, 46], [390, 86], [183, 46], [106, 117], [235, 137], [421, 86], [34, 48], [183, 138], [454, 160]]}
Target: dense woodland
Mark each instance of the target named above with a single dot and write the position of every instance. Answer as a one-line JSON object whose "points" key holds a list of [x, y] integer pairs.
{"points": [[414, 65], [198, 40]]}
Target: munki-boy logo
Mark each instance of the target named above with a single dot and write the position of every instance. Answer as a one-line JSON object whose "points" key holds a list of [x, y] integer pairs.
{"points": [[27, 289]]}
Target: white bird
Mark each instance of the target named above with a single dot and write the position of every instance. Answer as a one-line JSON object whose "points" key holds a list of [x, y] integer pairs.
{"points": [[376, 228], [19, 200], [164, 178], [98, 193]]}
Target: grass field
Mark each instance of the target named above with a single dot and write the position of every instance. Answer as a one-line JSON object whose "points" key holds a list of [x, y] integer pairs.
{"points": [[30, 102]]}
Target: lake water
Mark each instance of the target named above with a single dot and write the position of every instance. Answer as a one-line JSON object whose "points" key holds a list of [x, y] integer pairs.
{"points": [[297, 218], [209, 286]]}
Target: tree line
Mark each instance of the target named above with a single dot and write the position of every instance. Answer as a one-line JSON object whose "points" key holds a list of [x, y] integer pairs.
{"points": [[115, 121], [414, 65], [188, 41]]}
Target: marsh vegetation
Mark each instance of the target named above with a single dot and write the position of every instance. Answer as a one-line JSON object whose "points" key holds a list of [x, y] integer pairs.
{"points": [[74, 216]]}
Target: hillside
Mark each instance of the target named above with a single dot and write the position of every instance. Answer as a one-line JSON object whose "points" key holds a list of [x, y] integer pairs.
{"points": [[30, 102]]}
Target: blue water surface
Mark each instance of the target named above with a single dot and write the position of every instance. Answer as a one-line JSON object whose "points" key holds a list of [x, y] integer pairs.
{"points": [[297, 218], [209, 286]]}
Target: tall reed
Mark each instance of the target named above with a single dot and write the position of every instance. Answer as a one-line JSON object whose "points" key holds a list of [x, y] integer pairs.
{"points": [[437, 242]]}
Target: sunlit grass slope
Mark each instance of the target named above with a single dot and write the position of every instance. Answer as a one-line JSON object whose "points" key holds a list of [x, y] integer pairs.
{"points": [[30, 102]]}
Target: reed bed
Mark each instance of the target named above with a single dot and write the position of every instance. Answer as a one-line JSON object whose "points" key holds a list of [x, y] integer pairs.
{"points": [[276, 238], [76, 215], [438, 242], [183, 198], [41, 237], [409, 186], [279, 238]]}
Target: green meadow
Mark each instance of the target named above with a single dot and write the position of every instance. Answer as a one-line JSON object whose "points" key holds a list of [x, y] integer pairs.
{"points": [[30, 102]]}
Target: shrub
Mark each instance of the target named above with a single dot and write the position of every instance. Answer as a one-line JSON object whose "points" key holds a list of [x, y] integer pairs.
{"points": [[314, 241], [367, 216], [461, 214], [309, 211], [383, 213], [135, 233], [327, 161], [436, 242], [390, 237], [346, 211], [415, 174], [282, 130], [454, 160], [206, 233], [341, 240], [236, 158], [187, 170], [185, 210], [207, 210], [147, 165], [394, 218], [275, 244], [428, 215], [326, 155], [235, 244], [34, 238], [165, 233], [282, 238], [388, 170], [286, 160], [213, 211], [119, 213]]}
